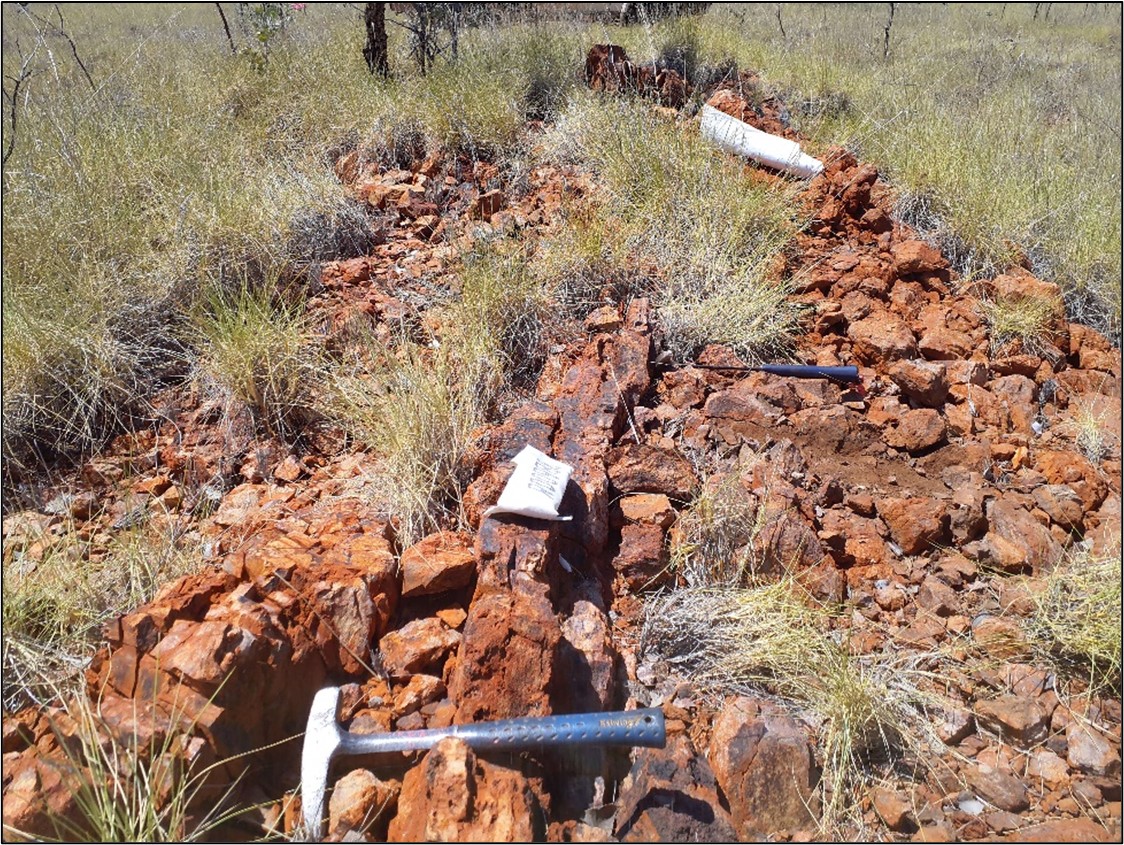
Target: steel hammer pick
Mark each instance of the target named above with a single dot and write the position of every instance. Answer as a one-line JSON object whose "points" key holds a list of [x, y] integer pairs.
{"points": [[324, 740]]}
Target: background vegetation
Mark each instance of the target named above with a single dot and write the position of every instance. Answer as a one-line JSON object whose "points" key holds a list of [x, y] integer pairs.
{"points": [[163, 166], [1000, 123]]}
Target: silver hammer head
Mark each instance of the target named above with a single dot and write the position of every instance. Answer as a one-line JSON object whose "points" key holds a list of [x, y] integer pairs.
{"points": [[322, 738]]}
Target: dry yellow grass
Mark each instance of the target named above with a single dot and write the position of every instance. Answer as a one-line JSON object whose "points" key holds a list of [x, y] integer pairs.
{"points": [[775, 639]]}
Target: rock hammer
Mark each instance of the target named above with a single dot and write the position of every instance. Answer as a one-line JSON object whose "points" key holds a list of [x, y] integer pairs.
{"points": [[324, 740]]}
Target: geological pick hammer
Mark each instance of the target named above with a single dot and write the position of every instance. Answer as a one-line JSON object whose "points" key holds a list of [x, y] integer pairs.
{"points": [[324, 740]]}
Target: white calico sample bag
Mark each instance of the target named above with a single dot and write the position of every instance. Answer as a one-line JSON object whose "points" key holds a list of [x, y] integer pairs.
{"points": [[740, 138], [535, 488]]}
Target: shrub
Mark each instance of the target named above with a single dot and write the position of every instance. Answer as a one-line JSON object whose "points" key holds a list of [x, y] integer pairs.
{"points": [[713, 232], [1077, 617], [259, 354]]}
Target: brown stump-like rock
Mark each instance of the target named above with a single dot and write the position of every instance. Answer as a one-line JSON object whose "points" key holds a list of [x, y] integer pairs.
{"points": [[670, 795], [454, 796], [766, 767]]}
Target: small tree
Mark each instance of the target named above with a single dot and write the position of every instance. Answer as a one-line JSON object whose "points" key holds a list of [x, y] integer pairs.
{"points": [[425, 23], [375, 48]]}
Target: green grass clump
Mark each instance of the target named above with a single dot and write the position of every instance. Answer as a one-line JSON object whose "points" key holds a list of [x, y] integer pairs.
{"points": [[774, 639], [128, 789], [417, 409], [673, 202], [259, 354], [54, 607], [1077, 618], [1024, 321], [504, 314]]}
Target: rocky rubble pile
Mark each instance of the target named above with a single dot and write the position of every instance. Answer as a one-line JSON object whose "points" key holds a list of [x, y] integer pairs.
{"points": [[931, 504]]}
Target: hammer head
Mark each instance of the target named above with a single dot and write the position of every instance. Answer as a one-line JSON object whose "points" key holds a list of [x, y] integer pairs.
{"points": [[322, 739]]}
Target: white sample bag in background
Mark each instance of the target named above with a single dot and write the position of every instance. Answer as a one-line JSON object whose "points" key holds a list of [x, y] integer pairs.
{"points": [[740, 138], [535, 488]]}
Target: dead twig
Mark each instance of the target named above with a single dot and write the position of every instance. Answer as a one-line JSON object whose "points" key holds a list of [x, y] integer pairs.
{"points": [[226, 29], [886, 33], [61, 30], [25, 73]]}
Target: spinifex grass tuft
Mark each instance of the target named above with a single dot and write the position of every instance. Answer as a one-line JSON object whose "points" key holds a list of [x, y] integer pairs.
{"points": [[260, 354], [1077, 618], [1023, 320], [675, 203], [417, 409], [775, 640], [54, 607]]}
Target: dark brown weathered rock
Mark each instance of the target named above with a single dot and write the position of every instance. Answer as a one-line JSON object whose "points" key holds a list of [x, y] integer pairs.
{"points": [[882, 338], [1089, 751], [997, 787], [670, 795], [895, 810], [642, 561], [764, 762], [1017, 539], [510, 663], [918, 431], [937, 597], [641, 468], [924, 382], [360, 803]]}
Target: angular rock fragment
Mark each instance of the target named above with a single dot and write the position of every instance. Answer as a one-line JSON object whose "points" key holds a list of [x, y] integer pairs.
{"points": [[670, 795], [916, 524], [1022, 721], [455, 796], [417, 646], [441, 562], [764, 762]]}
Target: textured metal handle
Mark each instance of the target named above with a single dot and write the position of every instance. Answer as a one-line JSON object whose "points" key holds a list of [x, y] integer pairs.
{"points": [[632, 727], [635, 727]]}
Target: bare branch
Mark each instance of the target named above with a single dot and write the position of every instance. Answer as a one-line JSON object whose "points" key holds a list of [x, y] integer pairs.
{"points": [[226, 27], [25, 74], [73, 48], [886, 42]]}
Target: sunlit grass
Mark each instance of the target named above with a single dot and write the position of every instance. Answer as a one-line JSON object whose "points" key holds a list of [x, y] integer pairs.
{"points": [[1002, 127]]}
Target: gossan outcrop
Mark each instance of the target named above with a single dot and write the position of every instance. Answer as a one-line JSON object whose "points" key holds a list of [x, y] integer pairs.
{"points": [[956, 466]]}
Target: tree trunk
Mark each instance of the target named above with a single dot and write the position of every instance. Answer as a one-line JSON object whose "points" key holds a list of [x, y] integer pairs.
{"points": [[374, 51]]}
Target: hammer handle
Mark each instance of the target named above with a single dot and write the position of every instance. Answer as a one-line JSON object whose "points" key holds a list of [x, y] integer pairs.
{"points": [[633, 727], [848, 374]]}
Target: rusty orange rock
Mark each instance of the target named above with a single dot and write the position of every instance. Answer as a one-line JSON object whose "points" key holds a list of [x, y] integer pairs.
{"points": [[437, 564]]}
